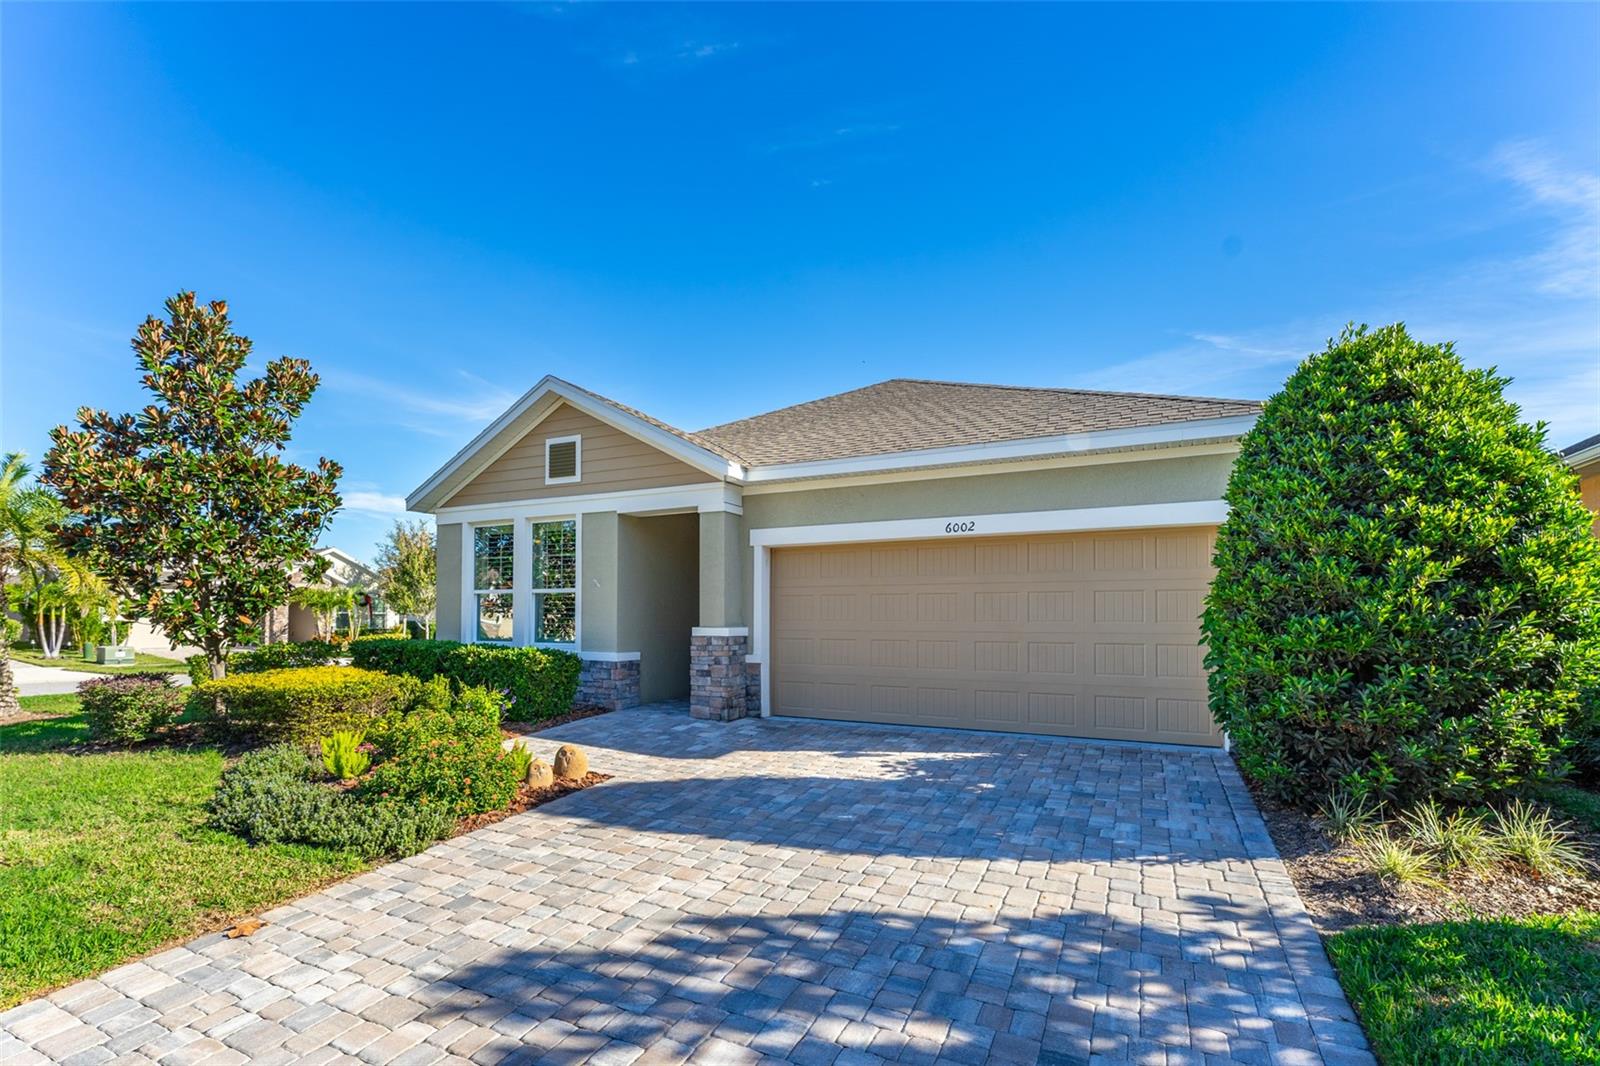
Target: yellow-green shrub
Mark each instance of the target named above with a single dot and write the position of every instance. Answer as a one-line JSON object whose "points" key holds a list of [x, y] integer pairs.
{"points": [[301, 704]]}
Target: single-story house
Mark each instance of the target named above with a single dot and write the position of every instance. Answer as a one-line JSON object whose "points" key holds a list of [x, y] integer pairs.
{"points": [[293, 622], [1584, 458], [912, 552]]}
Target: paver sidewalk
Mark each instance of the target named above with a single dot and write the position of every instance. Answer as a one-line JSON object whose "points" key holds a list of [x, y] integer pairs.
{"points": [[773, 890]]}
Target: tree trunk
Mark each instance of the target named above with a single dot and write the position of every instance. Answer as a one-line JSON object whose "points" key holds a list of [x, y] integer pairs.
{"points": [[216, 656], [10, 705]]}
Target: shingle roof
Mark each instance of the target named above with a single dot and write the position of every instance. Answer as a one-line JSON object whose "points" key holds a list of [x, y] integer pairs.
{"points": [[907, 414], [1587, 442]]}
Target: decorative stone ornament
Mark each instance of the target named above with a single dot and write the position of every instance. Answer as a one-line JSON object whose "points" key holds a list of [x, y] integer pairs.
{"points": [[539, 775], [571, 763]]}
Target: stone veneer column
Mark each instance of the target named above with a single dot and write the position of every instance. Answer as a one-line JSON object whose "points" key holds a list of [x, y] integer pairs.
{"points": [[718, 675], [612, 684]]}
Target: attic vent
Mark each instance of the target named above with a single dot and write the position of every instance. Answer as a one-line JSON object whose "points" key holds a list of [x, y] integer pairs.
{"points": [[560, 460]]}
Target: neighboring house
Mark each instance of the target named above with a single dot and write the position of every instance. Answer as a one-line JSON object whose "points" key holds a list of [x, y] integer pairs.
{"points": [[919, 552], [292, 622], [1584, 458]]}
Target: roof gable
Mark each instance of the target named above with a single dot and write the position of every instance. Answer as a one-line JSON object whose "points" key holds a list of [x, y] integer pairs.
{"points": [[521, 417], [608, 460]]}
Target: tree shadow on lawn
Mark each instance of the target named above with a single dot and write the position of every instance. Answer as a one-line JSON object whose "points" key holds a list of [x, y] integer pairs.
{"points": [[1048, 989]]}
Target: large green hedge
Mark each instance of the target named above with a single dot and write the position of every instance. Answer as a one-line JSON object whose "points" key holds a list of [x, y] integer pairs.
{"points": [[299, 704], [540, 683], [1407, 599]]}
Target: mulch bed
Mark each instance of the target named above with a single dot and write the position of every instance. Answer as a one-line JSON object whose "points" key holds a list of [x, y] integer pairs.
{"points": [[529, 798], [511, 730], [1340, 894]]}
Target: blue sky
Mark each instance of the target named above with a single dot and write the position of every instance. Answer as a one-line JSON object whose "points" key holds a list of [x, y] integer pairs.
{"points": [[712, 211]]}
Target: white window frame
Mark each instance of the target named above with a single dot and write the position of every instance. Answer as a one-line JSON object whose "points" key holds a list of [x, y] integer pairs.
{"points": [[576, 440], [525, 535], [471, 591], [522, 591]]}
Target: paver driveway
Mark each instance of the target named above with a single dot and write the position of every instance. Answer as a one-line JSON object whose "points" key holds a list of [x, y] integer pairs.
{"points": [[780, 889]]}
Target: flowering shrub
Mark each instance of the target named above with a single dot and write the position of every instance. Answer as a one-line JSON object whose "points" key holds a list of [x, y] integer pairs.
{"points": [[127, 709], [446, 752]]}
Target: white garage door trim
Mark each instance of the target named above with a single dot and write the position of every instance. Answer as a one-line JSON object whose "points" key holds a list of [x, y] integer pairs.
{"points": [[1074, 520]]}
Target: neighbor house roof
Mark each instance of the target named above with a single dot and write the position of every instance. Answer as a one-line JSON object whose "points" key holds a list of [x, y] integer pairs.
{"points": [[908, 414], [1582, 446], [1583, 452]]}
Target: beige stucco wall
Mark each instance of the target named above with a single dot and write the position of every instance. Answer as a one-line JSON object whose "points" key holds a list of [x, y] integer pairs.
{"points": [[658, 570], [448, 557], [1589, 489], [721, 557], [598, 591], [700, 567], [609, 461], [1183, 479]]}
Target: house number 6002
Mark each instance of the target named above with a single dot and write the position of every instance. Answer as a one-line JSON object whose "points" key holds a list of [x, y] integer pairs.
{"points": [[960, 527]]}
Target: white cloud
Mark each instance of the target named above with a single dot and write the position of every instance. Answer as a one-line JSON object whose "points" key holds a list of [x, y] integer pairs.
{"points": [[481, 402], [374, 503], [705, 49], [1534, 316], [1570, 265]]}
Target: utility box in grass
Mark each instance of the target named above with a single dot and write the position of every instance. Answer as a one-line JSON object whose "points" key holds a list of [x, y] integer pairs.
{"points": [[107, 655]]}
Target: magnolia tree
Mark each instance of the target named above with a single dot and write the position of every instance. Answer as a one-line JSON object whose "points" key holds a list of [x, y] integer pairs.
{"points": [[188, 507], [408, 572]]}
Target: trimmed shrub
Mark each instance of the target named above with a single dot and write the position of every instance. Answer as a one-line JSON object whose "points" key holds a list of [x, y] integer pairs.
{"points": [[541, 683], [300, 705], [269, 797], [129, 708], [446, 752], [1407, 599], [286, 656]]}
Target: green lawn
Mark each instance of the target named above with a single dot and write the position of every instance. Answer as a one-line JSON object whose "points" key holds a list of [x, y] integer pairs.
{"points": [[1524, 991], [104, 858], [72, 659]]}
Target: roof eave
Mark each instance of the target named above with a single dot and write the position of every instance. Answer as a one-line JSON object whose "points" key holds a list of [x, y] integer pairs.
{"points": [[1583, 456], [1127, 438]]}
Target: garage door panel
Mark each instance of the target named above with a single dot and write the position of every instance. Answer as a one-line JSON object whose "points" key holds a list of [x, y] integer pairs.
{"points": [[1071, 634]]}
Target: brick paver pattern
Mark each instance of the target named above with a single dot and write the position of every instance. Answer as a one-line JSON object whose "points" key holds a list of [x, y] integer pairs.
{"points": [[777, 890]]}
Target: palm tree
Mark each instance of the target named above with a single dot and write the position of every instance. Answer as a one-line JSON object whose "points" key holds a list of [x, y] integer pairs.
{"points": [[324, 603], [27, 547], [29, 515]]}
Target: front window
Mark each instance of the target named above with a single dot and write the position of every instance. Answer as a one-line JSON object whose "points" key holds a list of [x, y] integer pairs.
{"points": [[491, 581], [555, 582]]}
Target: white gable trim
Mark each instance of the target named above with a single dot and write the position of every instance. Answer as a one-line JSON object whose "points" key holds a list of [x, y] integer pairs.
{"points": [[549, 392]]}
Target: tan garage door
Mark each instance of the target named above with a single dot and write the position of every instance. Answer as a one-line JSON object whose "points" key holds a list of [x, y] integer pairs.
{"points": [[1076, 634]]}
